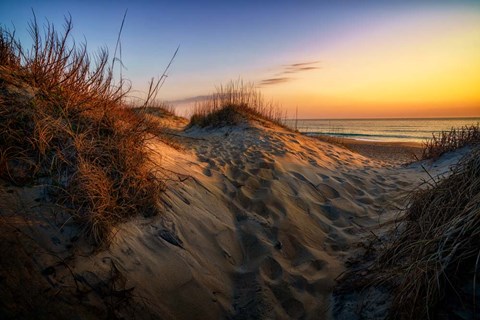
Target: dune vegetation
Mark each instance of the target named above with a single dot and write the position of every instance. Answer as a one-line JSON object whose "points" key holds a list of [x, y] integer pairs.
{"points": [[429, 262], [64, 119], [436, 253], [446, 141], [233, 103]]}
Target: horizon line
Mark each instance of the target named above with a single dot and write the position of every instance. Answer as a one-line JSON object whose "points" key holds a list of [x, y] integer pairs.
{"points": [[391, 118]]}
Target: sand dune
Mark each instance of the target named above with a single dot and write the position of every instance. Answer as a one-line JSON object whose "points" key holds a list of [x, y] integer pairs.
{"points": [[260, 227], [257, 224]]}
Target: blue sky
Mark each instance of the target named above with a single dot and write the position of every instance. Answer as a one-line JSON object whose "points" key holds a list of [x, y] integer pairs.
{"points": [[260, 40]]}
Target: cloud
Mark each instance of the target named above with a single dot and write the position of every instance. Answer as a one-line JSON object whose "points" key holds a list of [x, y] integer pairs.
{"points": [[290, 69], [190, 99], [299, 67], [283, 75], [270, 81], [303, 64]]}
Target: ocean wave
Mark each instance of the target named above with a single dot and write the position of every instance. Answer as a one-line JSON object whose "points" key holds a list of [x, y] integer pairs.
{"points": [[365, 135], [417, 130]]}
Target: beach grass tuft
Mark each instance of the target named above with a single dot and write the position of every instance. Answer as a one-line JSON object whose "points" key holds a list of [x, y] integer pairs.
{"points": [[63, 119], [429, 262], [233, 103], [446, 141], [157, 108], [434, 254]]}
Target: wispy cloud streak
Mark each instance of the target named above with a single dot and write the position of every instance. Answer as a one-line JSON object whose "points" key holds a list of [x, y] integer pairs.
{"points": [[282, 76], [189, 100], [271, 81], [290, 69]]}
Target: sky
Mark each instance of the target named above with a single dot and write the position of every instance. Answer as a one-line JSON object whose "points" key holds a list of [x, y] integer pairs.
{"points": [[329, 59]]}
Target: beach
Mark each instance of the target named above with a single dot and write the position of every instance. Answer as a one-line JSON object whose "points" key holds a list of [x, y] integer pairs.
{"points": [[265, 221], [257, 222], [393, 152], [383, 130], [340, 180]]}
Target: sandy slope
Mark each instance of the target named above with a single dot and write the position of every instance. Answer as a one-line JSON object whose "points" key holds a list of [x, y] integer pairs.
{"points": [[260, 227], [257, 224]]}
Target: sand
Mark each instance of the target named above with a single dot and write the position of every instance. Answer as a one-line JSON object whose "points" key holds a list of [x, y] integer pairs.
{"points": [[260, 228], [257, 224], [392, 152]]}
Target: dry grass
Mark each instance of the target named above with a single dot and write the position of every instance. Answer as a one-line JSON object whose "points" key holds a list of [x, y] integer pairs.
{"points": [[446, 141], [158, 109], [234, 103], [436, 246], [62, 117]]}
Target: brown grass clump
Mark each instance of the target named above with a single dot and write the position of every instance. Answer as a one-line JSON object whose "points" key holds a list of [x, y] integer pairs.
{"points": [[234, 103], [158, 109], [435, 253], [62, 118], [446, 141]]}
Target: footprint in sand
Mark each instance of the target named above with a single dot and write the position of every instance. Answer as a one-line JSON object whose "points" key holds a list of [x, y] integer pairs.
{"points": [[328, 191], [337, 242], [351, 189], [253, 171], [338, 179], [299, 282], [277, 207], [294, 251], [299, 176], [294, 308], [259, 207], [314, 163], [319, 286], [365, 200], [253, 246], [271, 269], [266, 165], [319, 264], [324, 177], [312, 267], [329, 211]]}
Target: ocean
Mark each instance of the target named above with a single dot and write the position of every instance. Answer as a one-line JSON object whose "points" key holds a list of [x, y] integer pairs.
{"points": [[402, 130]]}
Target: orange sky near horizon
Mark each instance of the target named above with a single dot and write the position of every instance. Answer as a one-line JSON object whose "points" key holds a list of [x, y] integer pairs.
{"points": [[415, 66], [331, 59]]}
